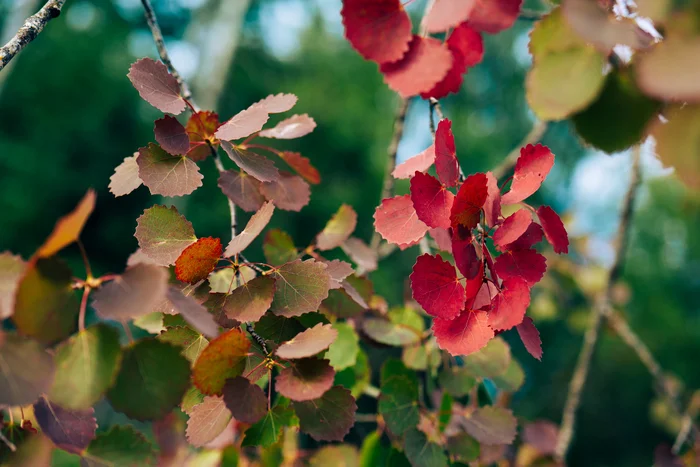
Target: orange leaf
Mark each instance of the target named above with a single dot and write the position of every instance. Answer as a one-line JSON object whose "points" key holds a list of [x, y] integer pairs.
{"points": [[68, 228], [198, 260]]}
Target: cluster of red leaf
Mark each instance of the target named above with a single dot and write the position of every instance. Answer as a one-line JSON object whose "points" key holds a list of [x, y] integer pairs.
{"points": [[490, 294], [381, 31]]}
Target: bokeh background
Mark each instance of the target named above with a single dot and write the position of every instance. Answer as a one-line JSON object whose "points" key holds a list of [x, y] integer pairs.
{"points": [[68, 116]]}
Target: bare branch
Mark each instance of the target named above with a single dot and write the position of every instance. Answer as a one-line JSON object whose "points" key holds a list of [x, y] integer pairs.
{"points": [[535, 134], [601, 310], [30, 30]]}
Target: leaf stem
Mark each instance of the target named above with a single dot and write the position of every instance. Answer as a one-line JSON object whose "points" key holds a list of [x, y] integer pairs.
{"points": [[83, 308], [86, 262]]}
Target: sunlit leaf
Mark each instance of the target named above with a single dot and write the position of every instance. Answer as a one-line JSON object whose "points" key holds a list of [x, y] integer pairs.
{"points": [[418, 163], [191, 341], [431, 200], [126, 177], [163, 234], [343, 351], [11, 271], [223, 358], [308, 343], [68, 228], [197, 260], [494, 16], [464, 334], [250, 301], [491, 425], [165, 174], [301, 286], [676, 142], [291, 128], [531, 338], [509, 306], [436, 288], [156, 85], [340, 455], [207, 421], [244, 123], [397, 222], [338, 229], [302, 166], [255, 225], [446, 14], [279, 247]]}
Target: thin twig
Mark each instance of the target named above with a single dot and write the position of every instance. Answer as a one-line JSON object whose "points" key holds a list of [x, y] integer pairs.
{"points": [[86, 261], [434, 109], [30, 30], [9, 443], [603, 307], [535, 134]]}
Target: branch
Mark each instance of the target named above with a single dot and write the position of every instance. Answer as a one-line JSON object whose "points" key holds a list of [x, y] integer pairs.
{"points": [[535, 134], [30, 30], [603, 308]]}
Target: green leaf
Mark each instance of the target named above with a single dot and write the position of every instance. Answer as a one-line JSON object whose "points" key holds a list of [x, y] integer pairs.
{"points": [[677, 142], [301, 286], [26, 370], [463, 447], [491, 361], [491, 425], [398, 403], [338, 228], [152, 380], [11, 270], [622, 106], [341, 455], [404, 327], [356, 377], [340, 304], [120, 446], [328, 418], [192, 342], [87, 365], [343, 351], [267, 431], [422, 357], [191, 398], [152, 322], [163, 234], [46, 306], [512, 379], [456, 381], [421, 452], [445, 414], [222, 359], [277, 328], [394, 367], [279, 247], [372, 453]]}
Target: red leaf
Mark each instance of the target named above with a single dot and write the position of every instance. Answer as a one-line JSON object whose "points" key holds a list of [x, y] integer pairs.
{"points": [[509, 307], [242, 189], [425, 64], [255, 225], [380, 30], [256, 165], [420, 163], [492, 206], [198, 260], [467, 48], [446, 154], [306, 379], [431, 200], [289, 192], [302, 166], [308, 342], [156, 85], [531, 169], [469, 201], [244, 123], [532, 235], [531, 337], [397, 222], [167, 175], [446, 14], [489, 262], [291, 128], [512, 228], [553, 229], [171, 135], [494, 16], [468, 264], [442, 239], [436, 288], [465, 334], [485, 296], [525, 264]]}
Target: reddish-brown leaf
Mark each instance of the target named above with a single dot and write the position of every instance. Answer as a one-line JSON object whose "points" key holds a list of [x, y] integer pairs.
{"points": [[492, 206], [397, 222], [446, 154], [302, 166], [465, 334], [156, 85], [509, 307], [531, 169], [242, 189], [70, 430], [256, 165], [494, 16], [512, 228], [167, 175], [68, 228], [126, 177], [380, 30], [207, 421], [245, 400], [191, 311], [436, 288], [531, 338], [328, 418], [305, 379], [171, 135], [256, 224], [420, 163], [244, 123], [431, 200], [446, 14], [301, 286], [525, 264], [542, 435], [338, 229], [250, 301], [553, 229], [338, 271], [469, 201], [135, 293], [293, 127], [223, 358], [278, 103], [425, 64], [200, 129], [198, 260], [308, 343], [289, 192]]}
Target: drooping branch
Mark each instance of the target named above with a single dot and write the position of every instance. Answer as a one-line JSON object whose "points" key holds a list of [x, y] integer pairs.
{"points": [[30, 30], [601, 310]]}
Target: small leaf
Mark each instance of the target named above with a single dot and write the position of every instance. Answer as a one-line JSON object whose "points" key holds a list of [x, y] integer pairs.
{"points": [[531, 338], [524, 264], [446, 14], [46, 306], [301, 286], [278, 103], [167, 175], [469, 201], [135, 293], [198, 260], [338, 272], [207, 421], [289, 192], [250, 301], [530, 238], [418, 163], [156, 85], [420, 451], [308, 343], [255, 225], [398, 404], [195, 314], [27, 370], [491, 361], [305, 379], [553, 229], [245, 400], [121, 445], [223, 358], [171, 135], [446, 155], [343, 351], [397, 222], [512, 228], [266, 432], [88, 364], [244, 123], [436, 288], [68, 228], [126, 177], [192, 342], [256, 165], [338, 229], [328, 418], [302, 166], [509, 306], [531, 169], [494, 16], [378, 30], [242, 189], [163, 234], [491, 425], [431, 200], [291, 128], [492, 206], [70, 430], [152, 380], [464, 334]]}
